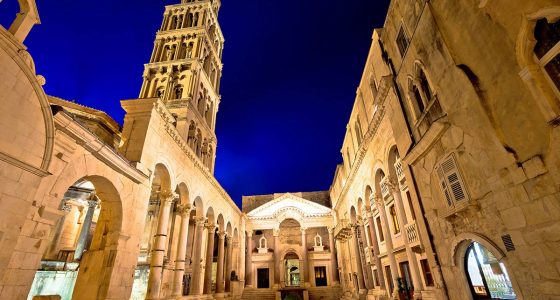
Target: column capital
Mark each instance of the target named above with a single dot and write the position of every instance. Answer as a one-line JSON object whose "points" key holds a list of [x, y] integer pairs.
{"points": [[392, 184], [167, 197], [184, 209], [222, 234], [211, 228], [303, 230], [250, 233], [276, 232], [92, 203], [200, 221], [330, 230], [378, 199]]}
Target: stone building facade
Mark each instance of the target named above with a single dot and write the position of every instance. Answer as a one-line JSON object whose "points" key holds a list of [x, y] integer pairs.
{"points": [[456, 123]]}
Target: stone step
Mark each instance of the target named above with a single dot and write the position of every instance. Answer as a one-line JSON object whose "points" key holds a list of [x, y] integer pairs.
{"points": [[258, 294]]}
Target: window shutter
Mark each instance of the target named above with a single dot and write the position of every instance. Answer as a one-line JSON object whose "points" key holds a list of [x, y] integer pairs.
{"points": [[452, 183], [444, 188]]}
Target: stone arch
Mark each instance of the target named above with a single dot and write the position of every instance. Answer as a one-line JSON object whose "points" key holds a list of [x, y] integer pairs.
{"points": [[353, 215], [379, 175], [229, 229], [198, 207], [458, 251], [531, 73], [289, 213], [183, 192], [210, 216], [392, 156], [221, 223], [95, 274], [162, 177], [33, 111], [368, 194]]}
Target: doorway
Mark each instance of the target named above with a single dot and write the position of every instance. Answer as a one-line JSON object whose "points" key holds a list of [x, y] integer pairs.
{"points": [[320, 276], [292, 269], [263, 278], [488, 278]]}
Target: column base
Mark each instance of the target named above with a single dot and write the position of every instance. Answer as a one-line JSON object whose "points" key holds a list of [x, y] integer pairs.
{"points": [[417, 295], [219, 296]]}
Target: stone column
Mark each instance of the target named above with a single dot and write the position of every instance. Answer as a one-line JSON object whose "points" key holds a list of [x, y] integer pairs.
{"points": [[249, 260], [54, 247], [375, 245], [414, 269], [277, 261], [305, 268], [221, 254], [179, 271], [160, 240], [366, 268], [196, 261], [388, 244], [82, 238], [361, 282], [209, 260], [229, 262], [334, 265]]}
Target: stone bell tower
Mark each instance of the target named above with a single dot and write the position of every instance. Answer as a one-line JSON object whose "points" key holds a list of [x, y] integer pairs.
{"points": [[185, 70]]}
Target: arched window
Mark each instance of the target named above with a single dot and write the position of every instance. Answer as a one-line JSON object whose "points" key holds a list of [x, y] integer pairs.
{"points": [[178, 93], [418, 99], [488, 278], [160, 92], [547, 49], [425, 85]]}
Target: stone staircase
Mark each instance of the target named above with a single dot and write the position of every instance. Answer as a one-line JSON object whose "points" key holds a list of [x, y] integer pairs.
{"points": [[325, 293], [258, 294]]}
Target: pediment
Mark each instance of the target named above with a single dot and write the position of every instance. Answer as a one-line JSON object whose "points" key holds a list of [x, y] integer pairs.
{"points": [[290, 205]]}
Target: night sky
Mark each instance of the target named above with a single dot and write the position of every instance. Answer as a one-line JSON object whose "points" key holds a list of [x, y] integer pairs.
{"points": [[291, 70]]}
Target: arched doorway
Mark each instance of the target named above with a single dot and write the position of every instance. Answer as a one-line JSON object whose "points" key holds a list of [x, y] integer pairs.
{"points": [[292, 269], [487, 277], [85, 236]]}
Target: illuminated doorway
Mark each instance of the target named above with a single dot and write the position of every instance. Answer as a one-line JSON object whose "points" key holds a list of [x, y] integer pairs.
{"points": [[488, 278], [293, 274]]}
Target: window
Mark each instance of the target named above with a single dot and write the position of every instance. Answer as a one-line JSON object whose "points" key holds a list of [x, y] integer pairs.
{"points": [[402, 41], [320, 276], [547, 49], [418, 99], [428, 278], [425, 85], [393, 212], [379, 229], [358, 129], [451, 182]]}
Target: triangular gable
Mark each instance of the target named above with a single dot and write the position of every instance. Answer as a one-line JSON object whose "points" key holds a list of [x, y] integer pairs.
{"points": [[270, 209]]}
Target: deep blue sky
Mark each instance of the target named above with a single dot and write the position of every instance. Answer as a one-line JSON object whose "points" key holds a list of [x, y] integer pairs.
{"points": [[291, 69]]}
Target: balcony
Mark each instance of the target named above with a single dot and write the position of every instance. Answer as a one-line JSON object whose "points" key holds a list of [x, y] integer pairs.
{"points": [[385, 191], [399, 170], [342, 230], [432, 113], [412, 234]]}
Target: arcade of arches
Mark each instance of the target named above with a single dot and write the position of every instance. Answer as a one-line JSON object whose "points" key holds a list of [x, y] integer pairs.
{"points": [[440, 193]]}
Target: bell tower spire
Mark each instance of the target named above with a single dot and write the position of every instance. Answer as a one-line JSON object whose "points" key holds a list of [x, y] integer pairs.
{"points": [[185, 70]]}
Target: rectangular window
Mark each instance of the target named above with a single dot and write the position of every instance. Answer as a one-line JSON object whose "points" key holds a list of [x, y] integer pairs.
{"points": [[428, 279], [320, 276], [402, 41], [451, 182], [393, 212], [379, 229]]}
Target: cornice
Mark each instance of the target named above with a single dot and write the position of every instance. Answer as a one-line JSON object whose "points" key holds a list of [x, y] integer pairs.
{"points": [[289, 208], [65, 123], [373, 127], [164, 113]]}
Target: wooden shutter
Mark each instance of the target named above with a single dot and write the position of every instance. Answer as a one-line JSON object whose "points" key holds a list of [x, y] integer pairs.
{"points": [[451, 182]]}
